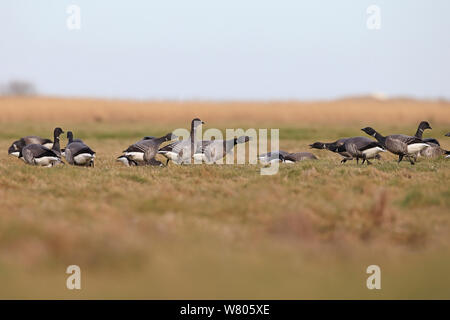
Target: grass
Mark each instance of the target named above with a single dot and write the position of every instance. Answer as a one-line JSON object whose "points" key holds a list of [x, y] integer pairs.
{"points": [[309, 231]]}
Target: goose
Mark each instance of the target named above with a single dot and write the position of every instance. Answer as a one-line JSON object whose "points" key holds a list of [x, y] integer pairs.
{"points": [[399, 144], [336, 146], [180, 151], [447, 134], [18, 145], [127, 161], [77, 153], [434, 150], [421, 128], [37, 154], [361, 149], [298, 156], [217, 149], [272, 156], [145, 150]]}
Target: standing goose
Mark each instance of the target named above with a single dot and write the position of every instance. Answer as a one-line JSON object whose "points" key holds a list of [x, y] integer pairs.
{"points": [[181, 152], [434, 150], [77, 153], [145, 150], [18, 145], [361, 148], [399, 144], [39, 155], [298, 156], [217, 149]]}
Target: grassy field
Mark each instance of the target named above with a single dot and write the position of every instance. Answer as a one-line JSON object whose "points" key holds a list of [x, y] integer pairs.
{"points": [[202, 231]]}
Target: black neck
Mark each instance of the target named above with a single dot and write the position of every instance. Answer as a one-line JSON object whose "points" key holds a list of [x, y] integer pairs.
{"points": [[56, 146], [419, 132], [381, 139]]}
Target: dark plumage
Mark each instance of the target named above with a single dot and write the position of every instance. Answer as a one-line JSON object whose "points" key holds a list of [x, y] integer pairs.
{"points": [[399, 144], [37, 154], [360, 148], [17, 146], [77, 153], [434, 149], [145, 150], [298, 156]]}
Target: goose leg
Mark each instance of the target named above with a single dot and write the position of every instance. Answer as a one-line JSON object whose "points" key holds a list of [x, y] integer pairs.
{"points": [[344, 160], [400, 158], [368, 162], [411, 160]]}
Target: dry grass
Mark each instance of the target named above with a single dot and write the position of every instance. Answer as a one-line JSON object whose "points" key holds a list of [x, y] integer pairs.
{"points": [[223, 231]]}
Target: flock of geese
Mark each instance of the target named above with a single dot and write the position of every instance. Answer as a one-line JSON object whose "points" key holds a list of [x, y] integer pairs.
{"points": [[38, 151]]}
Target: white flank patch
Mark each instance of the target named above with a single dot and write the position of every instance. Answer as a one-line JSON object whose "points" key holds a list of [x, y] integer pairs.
{"points": [[136, 156], [123, 160], [372, 152], [45, 161], [48, 145], [288, 161], [416, 147], [170, 155], [15, 154], [83, 158]]}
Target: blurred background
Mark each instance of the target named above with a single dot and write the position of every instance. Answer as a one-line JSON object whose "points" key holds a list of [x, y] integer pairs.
{"points": [[225, 50]]}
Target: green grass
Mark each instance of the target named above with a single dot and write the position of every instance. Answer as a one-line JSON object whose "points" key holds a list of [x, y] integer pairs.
{"points": [[309, 231]]}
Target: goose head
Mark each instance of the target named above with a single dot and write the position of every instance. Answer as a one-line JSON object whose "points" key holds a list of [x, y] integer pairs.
{"points": [[424, 125], [69, 136], [370, 131], [57, 132], [317, 145], [15, 148], [196, 122]]}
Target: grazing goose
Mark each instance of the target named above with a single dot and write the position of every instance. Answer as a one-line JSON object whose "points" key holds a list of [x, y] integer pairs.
{"points": [[361, 148], [298, 156], [181, 152], [77, 153], [434, 150], [337, 146], [217, 149], [18, 145], [39, 155], [145, 150], [399, 144], [272, 156], [447, 134], [127, 161]]}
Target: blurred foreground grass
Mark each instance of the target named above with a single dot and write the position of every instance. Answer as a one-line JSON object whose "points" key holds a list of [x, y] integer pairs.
{"points": [[223, 231]]}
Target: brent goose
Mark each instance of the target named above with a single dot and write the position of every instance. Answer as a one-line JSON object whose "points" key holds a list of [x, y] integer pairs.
{"points": [[434, 150], [272, 156], [215, 150], [146, 149], [181, 152], [399, 144], [18, 145], [37, 154], [359, 148], [127, 161], [78, 153], [338, 147]]}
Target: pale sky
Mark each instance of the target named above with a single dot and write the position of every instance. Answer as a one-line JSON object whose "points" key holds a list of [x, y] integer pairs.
{"points": [[228, 49]]}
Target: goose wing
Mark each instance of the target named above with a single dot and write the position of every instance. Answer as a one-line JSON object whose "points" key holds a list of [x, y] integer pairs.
{"points": [[37, 151], [431, 140], [406, 139], [137, 147]]}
